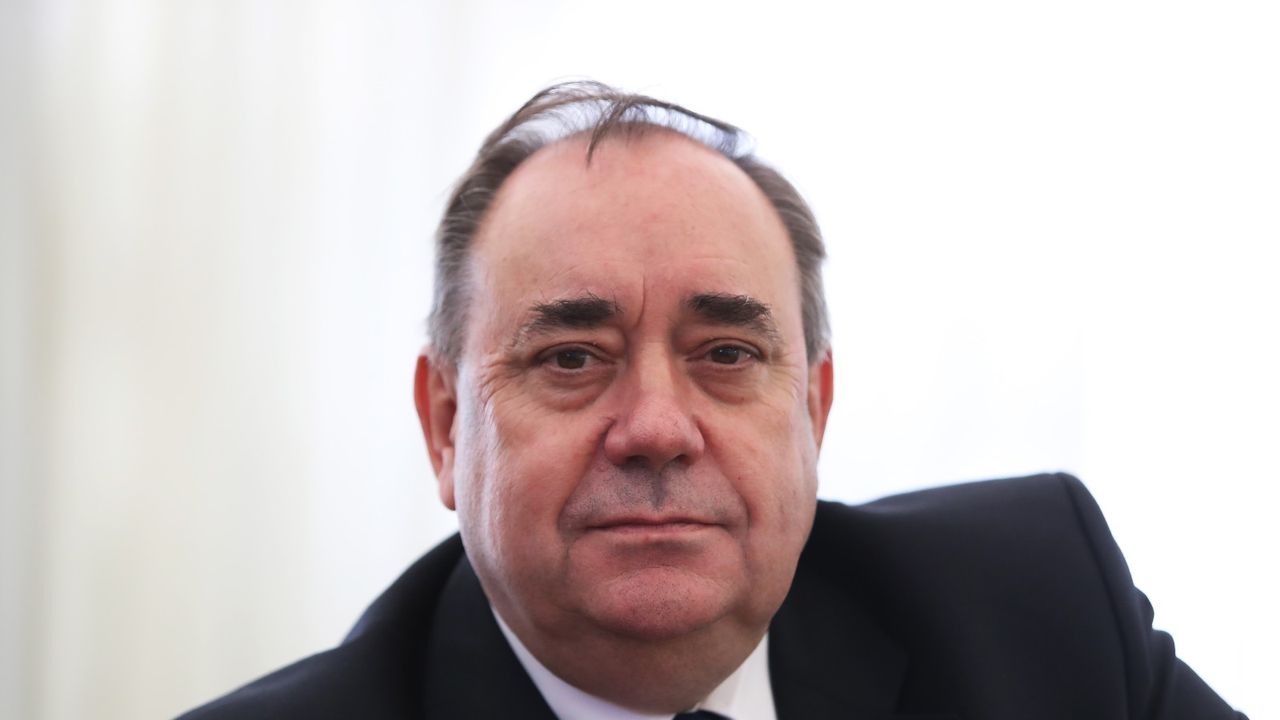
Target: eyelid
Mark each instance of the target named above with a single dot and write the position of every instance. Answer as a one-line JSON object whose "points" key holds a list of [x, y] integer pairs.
{"points": [[546, 355], [706, 348]]}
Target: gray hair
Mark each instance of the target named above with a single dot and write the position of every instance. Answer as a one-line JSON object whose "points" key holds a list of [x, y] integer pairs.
{"points": [[581, 107]]}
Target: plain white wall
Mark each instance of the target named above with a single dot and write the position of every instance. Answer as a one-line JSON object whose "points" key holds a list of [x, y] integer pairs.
{"points": [[1052, 233]]}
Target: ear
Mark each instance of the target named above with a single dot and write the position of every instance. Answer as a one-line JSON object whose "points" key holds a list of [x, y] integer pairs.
{"points": [[435, 394], [821, 391]]}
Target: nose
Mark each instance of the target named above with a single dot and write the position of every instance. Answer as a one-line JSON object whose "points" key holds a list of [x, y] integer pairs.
{"points": [[655, 424]]}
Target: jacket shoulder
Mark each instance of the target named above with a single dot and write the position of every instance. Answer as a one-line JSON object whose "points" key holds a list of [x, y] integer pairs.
{"points": [[1018, 578], [999, 521], [320, 686], [374, 673]]}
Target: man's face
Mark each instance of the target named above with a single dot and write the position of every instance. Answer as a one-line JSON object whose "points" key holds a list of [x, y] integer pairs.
{"points": [[631, 433]]}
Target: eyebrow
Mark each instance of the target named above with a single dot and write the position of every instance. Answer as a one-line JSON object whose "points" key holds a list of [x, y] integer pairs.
{"points": [[591, 310], [587, 311], [735, 310]]}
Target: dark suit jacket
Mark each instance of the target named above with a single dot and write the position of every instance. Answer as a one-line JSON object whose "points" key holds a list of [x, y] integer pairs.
{"points": [[988, 601]]}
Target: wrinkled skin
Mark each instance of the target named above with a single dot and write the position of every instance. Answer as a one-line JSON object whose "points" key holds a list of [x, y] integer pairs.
{"points": [[634, 473]]}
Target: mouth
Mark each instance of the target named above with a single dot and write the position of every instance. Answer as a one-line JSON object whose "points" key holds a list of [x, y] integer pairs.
{"points": [[652, 525]]}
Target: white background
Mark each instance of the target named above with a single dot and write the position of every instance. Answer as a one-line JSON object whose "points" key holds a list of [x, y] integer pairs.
{"points": [[1053, 232]]}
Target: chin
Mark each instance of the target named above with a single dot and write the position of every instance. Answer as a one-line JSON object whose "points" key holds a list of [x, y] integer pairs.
{"points": [[660, 603]]}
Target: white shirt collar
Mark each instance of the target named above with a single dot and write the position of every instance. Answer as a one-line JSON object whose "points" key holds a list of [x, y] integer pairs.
{"points": [[744, 695]]}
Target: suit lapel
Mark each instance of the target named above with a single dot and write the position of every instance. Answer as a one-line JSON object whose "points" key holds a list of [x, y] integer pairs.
{"points": [[471, 670], [828, 657]]}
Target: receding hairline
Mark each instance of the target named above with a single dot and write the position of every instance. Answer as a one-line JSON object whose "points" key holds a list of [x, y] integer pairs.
{"points": [[597, 149], [593, 148]]}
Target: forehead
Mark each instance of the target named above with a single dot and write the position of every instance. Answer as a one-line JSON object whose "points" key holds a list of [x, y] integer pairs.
{"points": [[652, 215]]}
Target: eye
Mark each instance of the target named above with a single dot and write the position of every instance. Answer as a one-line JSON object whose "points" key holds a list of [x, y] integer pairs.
{"points": [[730, 355], [571, 359]]}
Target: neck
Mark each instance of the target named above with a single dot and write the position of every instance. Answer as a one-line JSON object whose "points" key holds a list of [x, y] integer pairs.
{"points": [[664, 676]]}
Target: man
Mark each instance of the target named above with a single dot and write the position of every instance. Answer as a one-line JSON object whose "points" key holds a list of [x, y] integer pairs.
{"points": [[624, 398]]}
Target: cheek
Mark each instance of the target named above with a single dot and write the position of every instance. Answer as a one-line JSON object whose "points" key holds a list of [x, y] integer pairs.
{"points": [[769, 457], [773, 461], [523, 464]]}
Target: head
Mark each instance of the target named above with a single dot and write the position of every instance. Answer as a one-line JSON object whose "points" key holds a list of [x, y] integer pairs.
{"points": [[628, 378]]}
